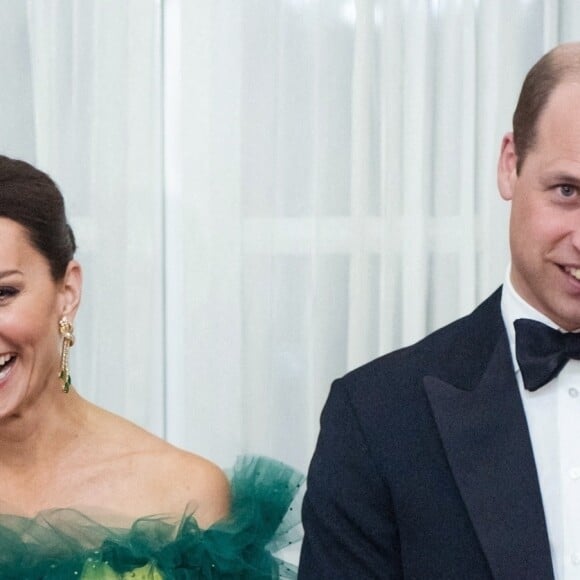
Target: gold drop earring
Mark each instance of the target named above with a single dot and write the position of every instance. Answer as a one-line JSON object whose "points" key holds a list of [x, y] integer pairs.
{"points": [[68, 339]]}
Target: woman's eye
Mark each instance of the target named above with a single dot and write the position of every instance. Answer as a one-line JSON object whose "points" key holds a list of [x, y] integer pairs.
{"points": [[7, 292]]}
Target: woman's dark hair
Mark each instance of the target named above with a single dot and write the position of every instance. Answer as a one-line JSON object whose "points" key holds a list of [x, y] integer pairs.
{"points": [[32, 199]]}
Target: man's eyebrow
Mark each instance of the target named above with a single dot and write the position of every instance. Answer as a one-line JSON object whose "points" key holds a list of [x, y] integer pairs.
{"points": [[562, 177], [6, 273]]}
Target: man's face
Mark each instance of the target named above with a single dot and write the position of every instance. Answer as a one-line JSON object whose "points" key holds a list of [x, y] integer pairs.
{"points": [[545, 212]]}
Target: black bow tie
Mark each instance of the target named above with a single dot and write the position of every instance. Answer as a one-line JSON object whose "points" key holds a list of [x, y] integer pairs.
{"points": [[542, 351]]}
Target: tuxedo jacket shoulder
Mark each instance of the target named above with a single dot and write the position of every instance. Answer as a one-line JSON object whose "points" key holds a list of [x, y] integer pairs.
{"points": [[424, 468]]}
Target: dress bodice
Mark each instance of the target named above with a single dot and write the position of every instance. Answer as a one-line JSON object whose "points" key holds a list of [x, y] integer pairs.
{"points": [[67, 544]]}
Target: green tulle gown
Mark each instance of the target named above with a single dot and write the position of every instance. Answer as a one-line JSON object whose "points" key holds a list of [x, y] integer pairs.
{"points": [[66, 544]]}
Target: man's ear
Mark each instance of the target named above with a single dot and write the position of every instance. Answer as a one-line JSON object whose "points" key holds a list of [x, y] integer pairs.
{"points": [[507, 167], [70, 291]]}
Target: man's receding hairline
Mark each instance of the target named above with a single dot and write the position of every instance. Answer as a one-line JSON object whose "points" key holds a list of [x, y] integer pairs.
{"points": [[565, 62], [571, 77], [559, 66], [565, 50]]}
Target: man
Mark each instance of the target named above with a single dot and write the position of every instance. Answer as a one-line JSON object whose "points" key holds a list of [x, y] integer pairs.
{"points": [[458, 458]]}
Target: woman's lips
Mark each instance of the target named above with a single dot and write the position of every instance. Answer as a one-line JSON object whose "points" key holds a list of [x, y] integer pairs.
{"points": [[7, 361]]}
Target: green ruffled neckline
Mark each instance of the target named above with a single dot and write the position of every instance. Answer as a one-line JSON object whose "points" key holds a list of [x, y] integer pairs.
{"points": [[65, 544]]}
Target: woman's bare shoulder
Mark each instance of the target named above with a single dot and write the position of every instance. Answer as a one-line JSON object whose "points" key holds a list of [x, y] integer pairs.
{"points": [[192, 480], [159, 477]]}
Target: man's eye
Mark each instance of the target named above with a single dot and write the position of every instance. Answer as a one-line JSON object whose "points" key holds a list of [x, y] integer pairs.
{"points": [[567, 190]]}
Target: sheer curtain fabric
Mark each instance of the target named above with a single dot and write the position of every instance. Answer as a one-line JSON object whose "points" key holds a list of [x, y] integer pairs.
{"points": [[267, 193]]}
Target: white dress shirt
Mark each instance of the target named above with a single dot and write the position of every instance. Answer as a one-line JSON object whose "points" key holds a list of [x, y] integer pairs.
{"points": [[553, 416]]}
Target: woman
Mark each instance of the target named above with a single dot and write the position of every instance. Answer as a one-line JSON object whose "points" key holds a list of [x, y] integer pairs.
{"points": [[135, 505]]}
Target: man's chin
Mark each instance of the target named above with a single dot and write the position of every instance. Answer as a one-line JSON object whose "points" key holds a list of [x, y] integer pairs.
{"points": [[568, 320]]}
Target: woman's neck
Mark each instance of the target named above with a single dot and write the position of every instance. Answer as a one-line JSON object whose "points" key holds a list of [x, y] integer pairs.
{"points": [[41, 431]]}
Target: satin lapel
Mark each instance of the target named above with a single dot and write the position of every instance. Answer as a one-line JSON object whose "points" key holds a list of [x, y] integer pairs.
{"points": [[486, 439]]}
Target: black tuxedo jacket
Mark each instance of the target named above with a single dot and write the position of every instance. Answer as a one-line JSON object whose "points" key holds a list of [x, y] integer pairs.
{"points": [[424, 467]]}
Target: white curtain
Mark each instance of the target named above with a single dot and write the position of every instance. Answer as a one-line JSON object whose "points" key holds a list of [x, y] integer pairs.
{"points": [[267, 193]]}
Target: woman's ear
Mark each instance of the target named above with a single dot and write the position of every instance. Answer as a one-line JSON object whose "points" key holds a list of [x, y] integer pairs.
{"points": [[70, 291], [507, 167]]}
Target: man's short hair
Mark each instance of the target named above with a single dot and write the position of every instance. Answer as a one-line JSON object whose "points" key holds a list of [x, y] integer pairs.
{"points": [[552, 69]]}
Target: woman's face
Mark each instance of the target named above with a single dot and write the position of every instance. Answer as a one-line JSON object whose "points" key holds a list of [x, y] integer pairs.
{"points": [[31, 304]]}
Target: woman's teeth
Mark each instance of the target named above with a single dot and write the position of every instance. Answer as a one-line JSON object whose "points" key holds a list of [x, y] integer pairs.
{"points": [[4, 366], [4, 358]]}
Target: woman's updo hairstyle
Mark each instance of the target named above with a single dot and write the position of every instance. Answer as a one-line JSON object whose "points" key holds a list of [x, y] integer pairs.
{"points": [[32, 199]]}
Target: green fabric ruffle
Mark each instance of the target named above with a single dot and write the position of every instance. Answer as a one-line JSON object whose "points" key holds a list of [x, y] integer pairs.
{"points": [[65, 544]]}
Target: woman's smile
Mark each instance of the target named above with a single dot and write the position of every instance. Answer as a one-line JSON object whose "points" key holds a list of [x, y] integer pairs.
{"points": [[7, 362]]}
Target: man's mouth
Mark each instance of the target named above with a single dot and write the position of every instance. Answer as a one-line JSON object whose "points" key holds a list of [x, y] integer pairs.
{"points": [[574, 272], [6, 363]]}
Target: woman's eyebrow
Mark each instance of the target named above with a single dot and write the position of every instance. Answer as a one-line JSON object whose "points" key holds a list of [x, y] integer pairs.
{"points": [[5, 273]]}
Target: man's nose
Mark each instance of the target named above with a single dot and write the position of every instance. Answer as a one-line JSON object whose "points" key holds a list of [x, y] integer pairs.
{"points": [[575, 232]]}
